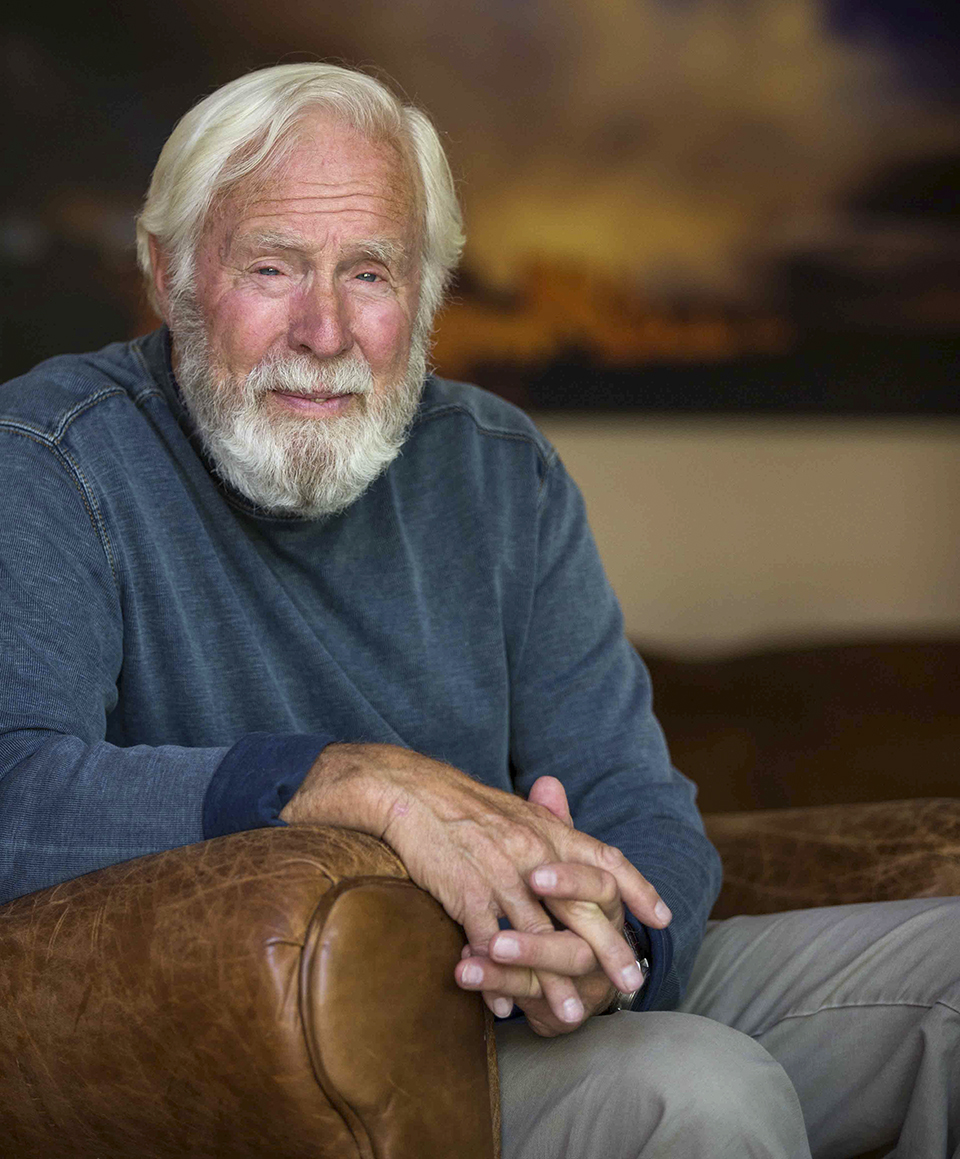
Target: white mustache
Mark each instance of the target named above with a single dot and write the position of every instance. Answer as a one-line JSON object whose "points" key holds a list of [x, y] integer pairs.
{"points": [[303, 375]]}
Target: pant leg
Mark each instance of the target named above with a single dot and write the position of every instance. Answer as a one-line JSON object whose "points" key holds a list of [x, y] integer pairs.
{"points": [[861, 1006], [656, 1085]]}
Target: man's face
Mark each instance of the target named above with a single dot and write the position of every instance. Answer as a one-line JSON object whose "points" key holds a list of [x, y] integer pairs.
{"points": [[296, 351]]}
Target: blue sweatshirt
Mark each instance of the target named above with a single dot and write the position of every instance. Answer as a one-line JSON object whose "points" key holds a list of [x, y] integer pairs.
{"points": [[173, 659]]}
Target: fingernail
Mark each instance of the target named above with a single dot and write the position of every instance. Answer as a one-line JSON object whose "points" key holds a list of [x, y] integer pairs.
{"points": [[545, 878], [662, 911], [471, 975], [632, 978], [502, 1007], [506, 947], [572, 1010]]}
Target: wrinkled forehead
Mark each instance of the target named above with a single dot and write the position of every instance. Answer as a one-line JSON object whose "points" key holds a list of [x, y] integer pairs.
{"points": [[322, 158]]}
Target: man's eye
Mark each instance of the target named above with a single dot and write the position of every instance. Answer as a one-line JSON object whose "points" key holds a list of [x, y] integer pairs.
{"points": [[369, 276], [266, 270]]}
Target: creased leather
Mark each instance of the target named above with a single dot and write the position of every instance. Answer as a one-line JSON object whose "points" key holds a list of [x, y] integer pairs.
{"points": [[349, 1011], [154, 1009], [785, 859]]}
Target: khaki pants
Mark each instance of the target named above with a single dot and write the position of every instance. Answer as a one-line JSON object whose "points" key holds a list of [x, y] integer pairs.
{"points": [[832, 1031]]}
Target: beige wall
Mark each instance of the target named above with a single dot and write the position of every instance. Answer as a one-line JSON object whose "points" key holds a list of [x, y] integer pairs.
{"points": [[724, 533]]}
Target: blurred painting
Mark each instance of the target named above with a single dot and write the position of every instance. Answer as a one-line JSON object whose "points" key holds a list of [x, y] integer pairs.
{"points": [[672, 205]]}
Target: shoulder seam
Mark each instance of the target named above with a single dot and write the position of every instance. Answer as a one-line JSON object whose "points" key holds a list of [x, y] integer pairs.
{"points": [[147, 392], [79, 481], [152, 390], [81, 407]]}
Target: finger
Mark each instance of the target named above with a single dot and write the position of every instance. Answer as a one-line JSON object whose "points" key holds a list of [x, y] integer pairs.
{"points": [[605, 939], [639, 896], [520, 985], [480, 927], [580, 883], [550, 793], [561, 952], [587, 901], [513, 982], [595, 993], [498, 1004], [561, 996], [528, 916], [523, 910]]}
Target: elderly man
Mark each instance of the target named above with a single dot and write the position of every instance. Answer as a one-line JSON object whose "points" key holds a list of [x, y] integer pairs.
{"points": [[263, 569]]}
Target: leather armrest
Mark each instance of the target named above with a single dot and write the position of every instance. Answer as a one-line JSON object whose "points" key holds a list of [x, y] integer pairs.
{"points": [[783, 859], [285, 992]]}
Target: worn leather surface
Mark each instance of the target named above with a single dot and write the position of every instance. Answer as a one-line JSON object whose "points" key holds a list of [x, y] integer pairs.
{"points": [[158, 1008], [837, 854], [392, 998]]}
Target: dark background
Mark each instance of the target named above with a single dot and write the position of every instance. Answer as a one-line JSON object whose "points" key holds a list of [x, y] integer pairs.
{"points": [[673, 206]]}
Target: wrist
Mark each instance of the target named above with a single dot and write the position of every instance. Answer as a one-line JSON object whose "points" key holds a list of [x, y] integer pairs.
{"points": [[340, 789]]}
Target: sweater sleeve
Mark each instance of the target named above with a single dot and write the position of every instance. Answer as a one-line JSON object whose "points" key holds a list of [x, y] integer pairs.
{"points": [[582, 712], [70, 802]]}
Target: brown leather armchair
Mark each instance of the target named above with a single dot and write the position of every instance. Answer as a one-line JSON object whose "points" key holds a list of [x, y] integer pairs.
{"points": [[283, 992], [288, 992]]}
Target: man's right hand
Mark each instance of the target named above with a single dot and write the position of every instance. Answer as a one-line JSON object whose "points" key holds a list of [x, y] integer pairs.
{"points": [[513, 967], [474, 848]]}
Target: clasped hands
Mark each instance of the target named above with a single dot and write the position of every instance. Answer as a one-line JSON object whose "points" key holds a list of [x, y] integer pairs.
{"points": [[560, 977], [486, 854]]}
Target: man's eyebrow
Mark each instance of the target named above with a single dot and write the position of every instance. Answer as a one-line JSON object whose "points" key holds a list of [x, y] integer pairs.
{"points": [[381, 249], [389, 251], [272, 240]]}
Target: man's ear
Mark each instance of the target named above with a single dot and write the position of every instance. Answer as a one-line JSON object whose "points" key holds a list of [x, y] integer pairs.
{"points": [[159, 271]]}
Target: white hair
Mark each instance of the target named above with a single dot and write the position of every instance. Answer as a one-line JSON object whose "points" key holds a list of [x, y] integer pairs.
{"points": [[246, 126]]}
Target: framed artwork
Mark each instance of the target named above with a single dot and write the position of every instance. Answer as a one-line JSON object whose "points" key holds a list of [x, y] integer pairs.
{"points": [[685, 206]]}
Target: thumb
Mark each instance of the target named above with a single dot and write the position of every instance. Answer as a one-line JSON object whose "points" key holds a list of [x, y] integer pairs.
{"points": [[550, 793]]}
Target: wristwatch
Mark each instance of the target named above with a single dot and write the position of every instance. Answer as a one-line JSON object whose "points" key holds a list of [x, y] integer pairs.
{"points": [[624, 1000]]}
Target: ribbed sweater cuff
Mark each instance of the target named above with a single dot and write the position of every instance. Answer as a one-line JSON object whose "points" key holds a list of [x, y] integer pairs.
{"points": [[256, 778]]}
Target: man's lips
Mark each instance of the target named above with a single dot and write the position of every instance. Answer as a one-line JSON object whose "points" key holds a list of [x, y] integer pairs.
{"points": [[316, 404]]}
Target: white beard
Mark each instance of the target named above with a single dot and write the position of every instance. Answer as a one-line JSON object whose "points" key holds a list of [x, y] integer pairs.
{"points": [[284, 463]]}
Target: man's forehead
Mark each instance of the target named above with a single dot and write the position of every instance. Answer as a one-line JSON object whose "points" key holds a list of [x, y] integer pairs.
{"points": [[283, 200], [337, 175]]}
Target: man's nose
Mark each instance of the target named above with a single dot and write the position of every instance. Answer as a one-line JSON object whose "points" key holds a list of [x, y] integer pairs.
{"points": [[318, 323]]}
